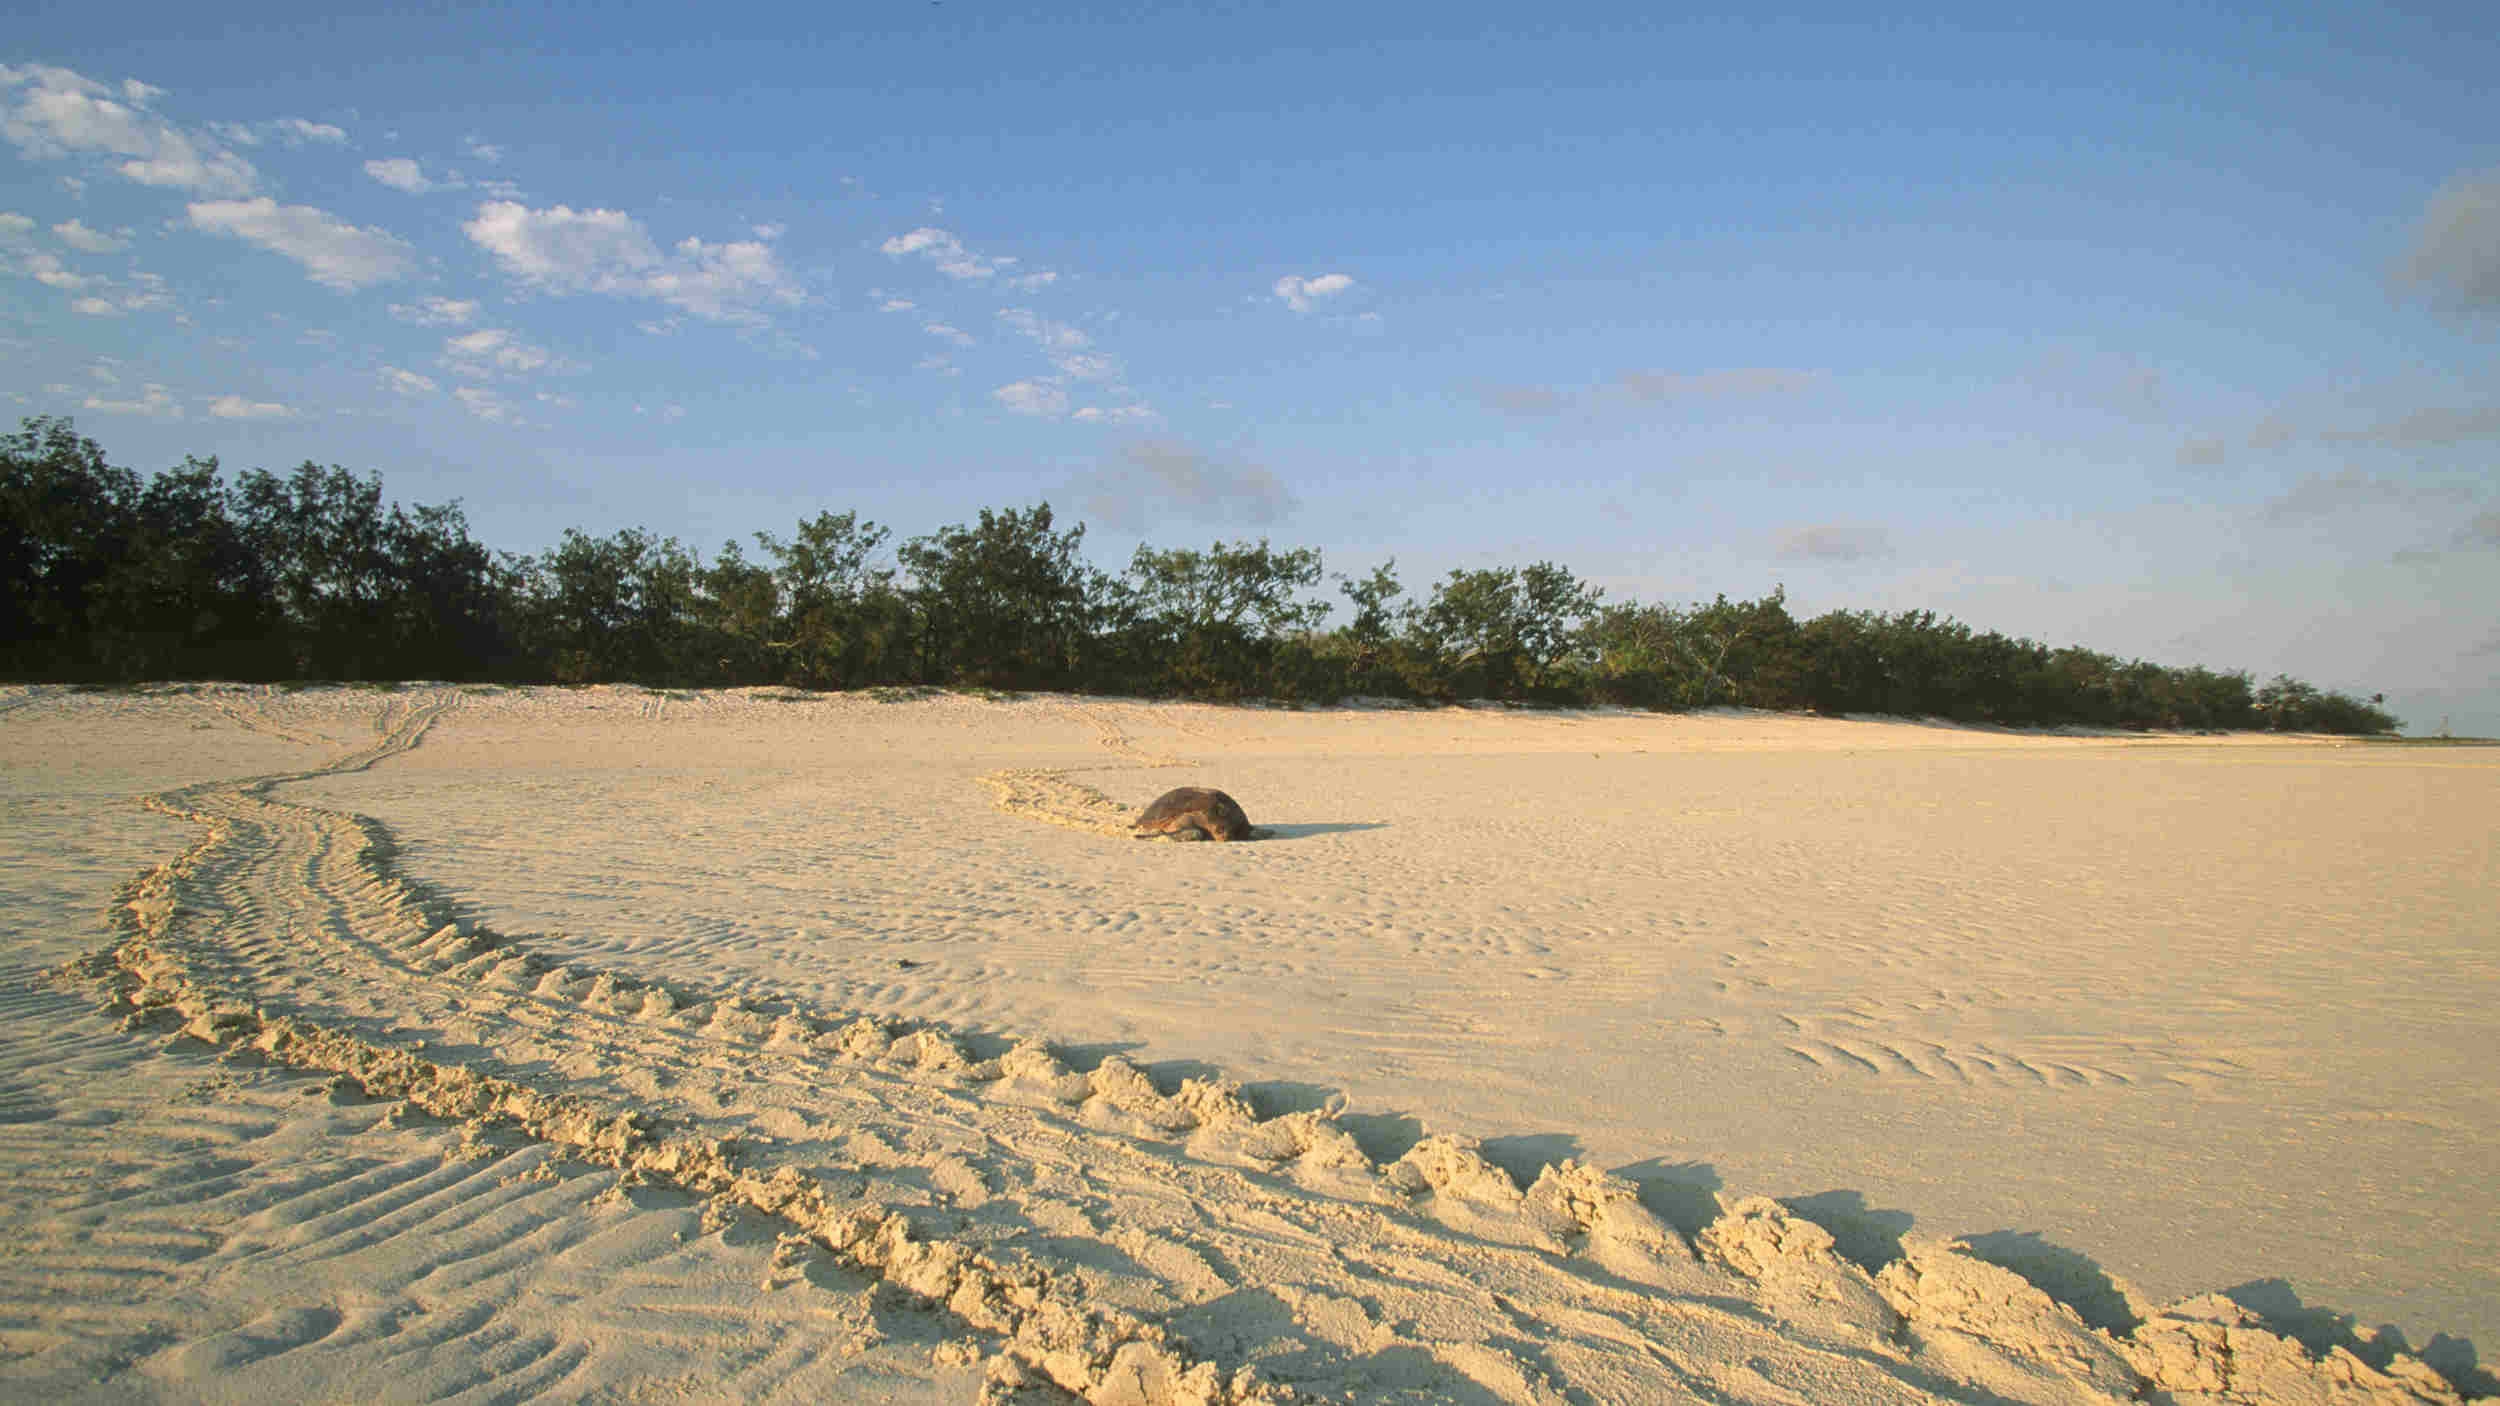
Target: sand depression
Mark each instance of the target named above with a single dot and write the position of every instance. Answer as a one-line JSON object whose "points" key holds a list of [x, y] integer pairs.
{"points": [[2138, 1018]]}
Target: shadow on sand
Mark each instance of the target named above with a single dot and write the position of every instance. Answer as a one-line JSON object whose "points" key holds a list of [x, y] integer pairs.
{"points": [[2319, 1329], [1307, 831]]}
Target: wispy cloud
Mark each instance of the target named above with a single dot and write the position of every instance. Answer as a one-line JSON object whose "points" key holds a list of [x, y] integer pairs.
{"points": [[1713, 385], [405, 382], [1643, 387], [1301, 293], [333, 252], [1521, 400], [90, 241], [491, 351], [2203, 451], [2455, 250], [563, 250], [287, 131], [1040, 398], [1157, 481], [54, 113], [154, 403], [100, 296], [2329, 495], [947, 252], [2436, 425], [407, 174], [235, 407], [437, 312], [1835, 542], [484, 404]]}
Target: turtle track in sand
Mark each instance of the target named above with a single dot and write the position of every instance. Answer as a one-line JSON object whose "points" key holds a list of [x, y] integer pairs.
{"points": [[1100, 1235]]}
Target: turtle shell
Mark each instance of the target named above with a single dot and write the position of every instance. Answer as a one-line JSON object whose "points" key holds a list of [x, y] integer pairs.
{"points": [[1195, 808]]}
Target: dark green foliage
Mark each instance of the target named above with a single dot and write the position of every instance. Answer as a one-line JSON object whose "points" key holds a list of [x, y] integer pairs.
{"points": [[1500, 633], [1214, 624], [1007, 603], [106, 579], [840, 621]]}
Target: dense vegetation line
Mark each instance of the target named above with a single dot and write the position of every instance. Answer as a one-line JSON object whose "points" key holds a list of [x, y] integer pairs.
{"points": [[106, 577]]}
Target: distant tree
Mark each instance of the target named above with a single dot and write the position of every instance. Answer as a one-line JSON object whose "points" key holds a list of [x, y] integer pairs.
{"points": [[313, 575], [1008, 602], [616, 609], [1502, 632], [65, 517], [187, 597], [1213, 623], [1744, 652], [740, 610], [840, 620], [1555, 608]]}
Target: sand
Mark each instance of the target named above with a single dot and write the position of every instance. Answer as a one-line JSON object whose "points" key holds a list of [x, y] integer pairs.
{"points": [[492, 1044]]}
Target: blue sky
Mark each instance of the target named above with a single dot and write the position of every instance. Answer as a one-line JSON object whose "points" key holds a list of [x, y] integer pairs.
{"points": [[2173, 332]]}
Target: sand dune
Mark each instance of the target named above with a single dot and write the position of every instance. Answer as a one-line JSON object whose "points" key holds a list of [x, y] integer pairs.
{"points": [[487, 1044]]}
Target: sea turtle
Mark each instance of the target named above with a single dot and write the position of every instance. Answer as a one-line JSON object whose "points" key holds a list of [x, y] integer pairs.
{"points": [[1195, 813]]}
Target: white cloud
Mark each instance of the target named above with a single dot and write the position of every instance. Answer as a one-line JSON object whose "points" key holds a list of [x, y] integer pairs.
{"points": [[404, 174], [1033, 281], [1116, 415], [1087, 366], [144, 292], [487, 152], [1053, 336], [296, 131], [235, 407], [768, 233], [889, 305], [491, 351], [724, 282], [1033, 398], [945, 333], [90, 241], [1300, 293], [334, 253], [407, 382], [947, 252], [1065, 346], [48, 270], [153, 403], [54, 113], [562, 250], [14, 226], [484, 404], [436, 312]]}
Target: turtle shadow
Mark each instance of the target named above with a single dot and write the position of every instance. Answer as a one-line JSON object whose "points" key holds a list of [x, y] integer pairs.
{"points": [[1314, 828]]}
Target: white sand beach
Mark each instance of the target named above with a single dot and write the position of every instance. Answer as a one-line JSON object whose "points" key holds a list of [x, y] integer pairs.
{"points": [[496, 1044]]}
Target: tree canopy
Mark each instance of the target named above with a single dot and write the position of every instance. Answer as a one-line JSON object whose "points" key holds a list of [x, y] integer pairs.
{"points": [[105, 577]]}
